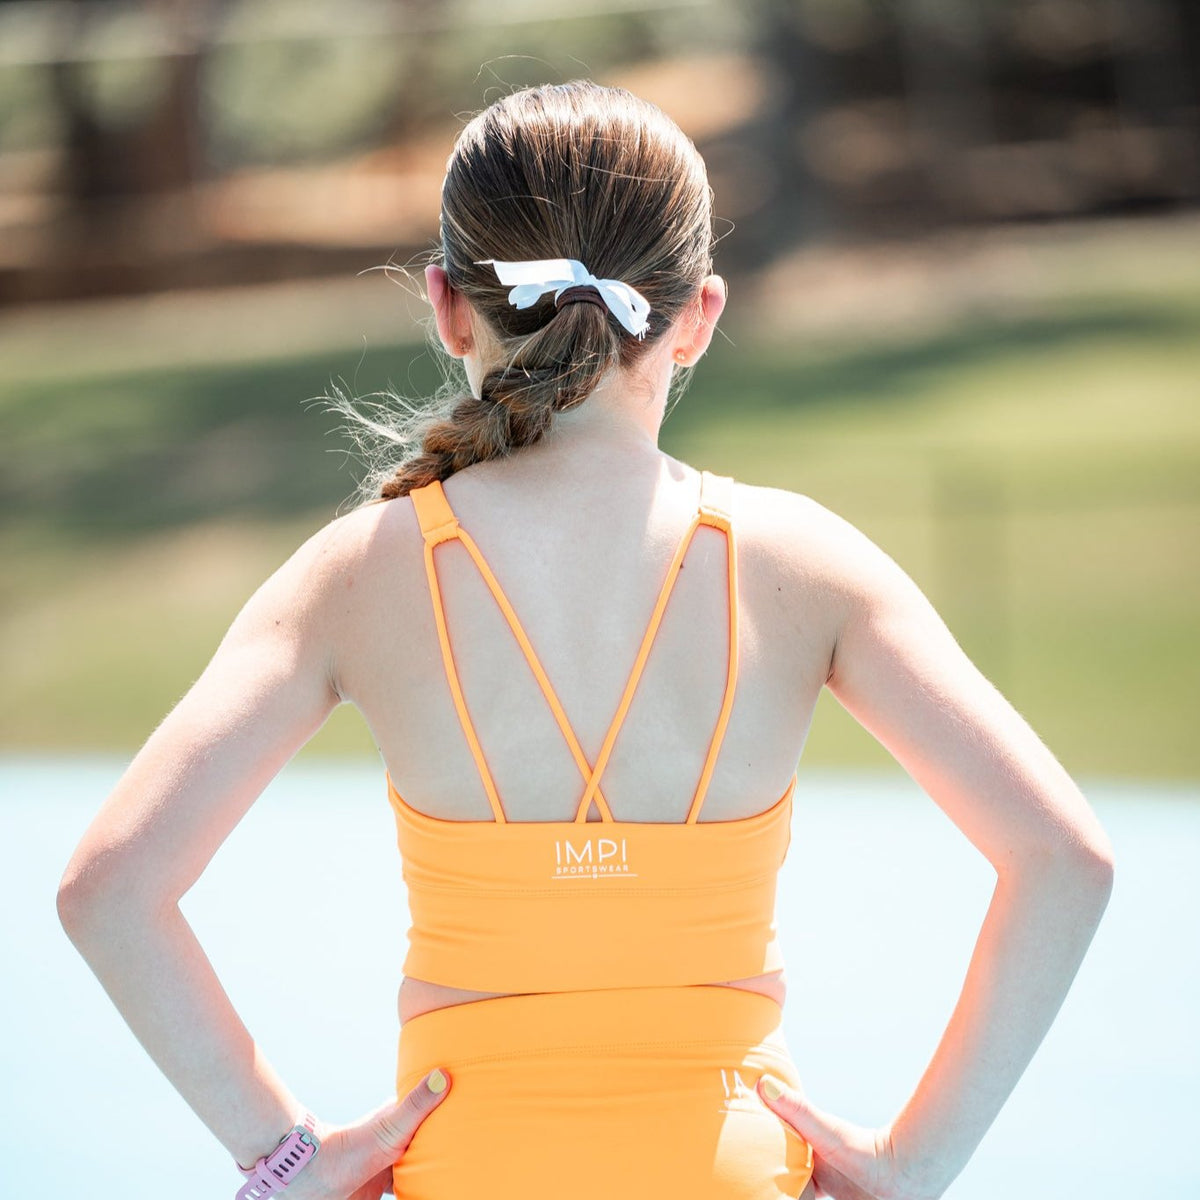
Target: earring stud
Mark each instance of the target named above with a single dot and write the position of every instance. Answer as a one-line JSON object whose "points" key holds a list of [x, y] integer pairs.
{"points": [[680, 355]]}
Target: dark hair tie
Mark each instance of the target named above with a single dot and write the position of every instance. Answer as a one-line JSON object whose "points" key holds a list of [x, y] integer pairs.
{"points": [[584, 292]]}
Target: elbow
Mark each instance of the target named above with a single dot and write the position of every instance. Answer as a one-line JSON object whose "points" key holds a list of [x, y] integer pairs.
{"points": [[94, 898], [1090, 869], [1100, 868], [1097, 858], [1096, 880], [80, 899], [1088, 865]]}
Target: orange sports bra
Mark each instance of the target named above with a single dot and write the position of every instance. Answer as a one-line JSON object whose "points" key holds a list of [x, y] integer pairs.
{"points": [[548, 906]]}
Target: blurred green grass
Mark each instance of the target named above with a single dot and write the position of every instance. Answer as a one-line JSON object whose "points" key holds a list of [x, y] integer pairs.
{"points": [[1036, 473]]}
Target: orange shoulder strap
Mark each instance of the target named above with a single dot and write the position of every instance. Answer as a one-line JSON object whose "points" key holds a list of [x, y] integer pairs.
{"points": [[716, 499], [716, 509], [439, 524], [436, 517]]}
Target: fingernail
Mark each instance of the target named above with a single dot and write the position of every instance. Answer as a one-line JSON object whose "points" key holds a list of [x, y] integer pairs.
{"points": [[436, 1081], [771, 1088]]}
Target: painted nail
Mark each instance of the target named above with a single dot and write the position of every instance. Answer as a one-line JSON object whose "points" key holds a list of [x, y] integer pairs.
{"points": [[771, 1088], [437, 1081]]}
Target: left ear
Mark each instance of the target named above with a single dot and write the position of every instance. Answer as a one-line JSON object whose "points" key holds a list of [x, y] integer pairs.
{"points": [[695, 333], [450, 311]]}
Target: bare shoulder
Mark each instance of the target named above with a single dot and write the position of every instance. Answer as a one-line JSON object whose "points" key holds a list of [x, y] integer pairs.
{"points": [[321, 598], [898, 670], [809, 543], [826, 575], [349, 548]]}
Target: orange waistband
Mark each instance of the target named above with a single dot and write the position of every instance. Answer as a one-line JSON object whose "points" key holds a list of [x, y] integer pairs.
{"points": [[541, 1023]]}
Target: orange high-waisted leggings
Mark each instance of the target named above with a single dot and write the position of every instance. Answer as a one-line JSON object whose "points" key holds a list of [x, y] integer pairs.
{"points": [[630, 1092]]}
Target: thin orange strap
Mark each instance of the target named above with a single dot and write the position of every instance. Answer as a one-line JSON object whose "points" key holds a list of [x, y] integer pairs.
{"points": [[438, 524], [635, 675], [434, 514], [715, 493], [716, 509], [560, 716]]}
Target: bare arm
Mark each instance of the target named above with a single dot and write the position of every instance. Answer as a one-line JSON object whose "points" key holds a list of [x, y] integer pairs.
{"points": [[267, 690], [897, 669]]}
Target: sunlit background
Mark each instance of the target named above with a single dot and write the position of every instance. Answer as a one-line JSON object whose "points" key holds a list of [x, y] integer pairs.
{"points": [[962, 242]]}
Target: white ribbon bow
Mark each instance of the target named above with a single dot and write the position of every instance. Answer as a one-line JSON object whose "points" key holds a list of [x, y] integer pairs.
{"points": [[535, 277]]}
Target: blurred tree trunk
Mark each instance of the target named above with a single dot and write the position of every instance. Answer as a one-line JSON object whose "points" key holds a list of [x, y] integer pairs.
{"points": [[420, 98], [1153, 91], [797, 206], [161, 151], [946, 77]]}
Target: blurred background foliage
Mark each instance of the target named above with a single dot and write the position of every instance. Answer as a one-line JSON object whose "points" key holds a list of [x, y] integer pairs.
{"points": [[964, 264]]}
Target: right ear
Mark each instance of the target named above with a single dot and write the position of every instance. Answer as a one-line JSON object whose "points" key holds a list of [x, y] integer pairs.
{"points": [[693, 340]]}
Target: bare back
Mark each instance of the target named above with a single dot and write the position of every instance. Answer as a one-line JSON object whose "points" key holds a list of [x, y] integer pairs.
{"points": [[582, 572], [579, 536], [581, 560]]}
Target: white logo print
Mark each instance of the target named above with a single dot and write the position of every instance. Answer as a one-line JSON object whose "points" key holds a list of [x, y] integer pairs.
{"points": [[734, 1086], [591, 858]]}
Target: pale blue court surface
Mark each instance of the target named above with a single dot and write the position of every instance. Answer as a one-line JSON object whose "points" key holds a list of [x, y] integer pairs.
{"points": [[879, 905]]}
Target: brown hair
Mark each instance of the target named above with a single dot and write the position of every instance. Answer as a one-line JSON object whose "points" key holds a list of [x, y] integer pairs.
{"points": [[572, 170]]}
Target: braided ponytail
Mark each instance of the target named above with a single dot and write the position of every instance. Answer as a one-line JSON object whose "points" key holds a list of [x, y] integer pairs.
{"points": [[572, 170], [517, 402]]}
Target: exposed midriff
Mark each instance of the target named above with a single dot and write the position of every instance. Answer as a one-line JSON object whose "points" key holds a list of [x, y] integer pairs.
{"points": [[418, 996]]}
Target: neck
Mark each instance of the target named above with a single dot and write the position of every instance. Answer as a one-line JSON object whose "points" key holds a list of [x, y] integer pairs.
{"points": [[624, 411]]}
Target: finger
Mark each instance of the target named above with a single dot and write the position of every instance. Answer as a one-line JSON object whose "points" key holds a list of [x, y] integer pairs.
{"points": [[385, 1134], [370, 1191], [387, 1186], [382, 1183], [828, 1135], [841, 1187]]}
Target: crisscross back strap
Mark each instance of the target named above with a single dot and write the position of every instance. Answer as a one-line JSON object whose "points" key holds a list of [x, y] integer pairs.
{"points": [[716, 495], [439, 524]]}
